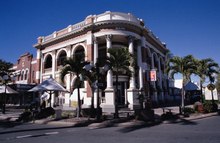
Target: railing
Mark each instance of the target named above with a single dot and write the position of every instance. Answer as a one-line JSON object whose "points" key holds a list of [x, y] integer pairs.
{"points": [[64, 31]]}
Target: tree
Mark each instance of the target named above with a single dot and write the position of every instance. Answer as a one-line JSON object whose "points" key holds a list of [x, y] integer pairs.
{"points": [[5, 69], [185, 66], [74, 66], [93, 75], [120, 61], [206, 68], [217, 84]]}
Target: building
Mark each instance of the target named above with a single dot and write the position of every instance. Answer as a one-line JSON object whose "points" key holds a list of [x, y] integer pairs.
{"points": [[93, 37], [25, 79]]}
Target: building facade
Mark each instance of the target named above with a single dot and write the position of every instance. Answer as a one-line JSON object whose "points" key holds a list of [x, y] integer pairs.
{"points": [[93, 37], [25, 79]]}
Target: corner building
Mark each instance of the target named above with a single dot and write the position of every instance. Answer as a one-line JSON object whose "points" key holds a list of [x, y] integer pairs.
{"points": [[93, 37]]}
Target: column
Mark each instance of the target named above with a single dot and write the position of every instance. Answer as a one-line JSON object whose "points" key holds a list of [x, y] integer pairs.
{"points": [[132, 95], [109, 74], [96, 52], [53, 64], [160, 81], [155, 96], [131, 50], [68, 81], [109, 105], [139, 58]]}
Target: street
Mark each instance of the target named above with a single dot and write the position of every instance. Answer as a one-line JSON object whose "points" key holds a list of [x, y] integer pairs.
{"points": [[196, 131]]}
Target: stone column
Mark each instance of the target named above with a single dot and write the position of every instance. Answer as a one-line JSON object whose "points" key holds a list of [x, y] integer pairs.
{"points": [[155, 96], [160, 81], [109, 74], [139, 58], [39, 67], [96, 52], [109, 105], [133, 102], [53, 64], [131, 50], [68, 81]]}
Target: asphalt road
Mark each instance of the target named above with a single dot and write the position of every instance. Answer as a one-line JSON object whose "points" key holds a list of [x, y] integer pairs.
{"points": [[205, 130]]}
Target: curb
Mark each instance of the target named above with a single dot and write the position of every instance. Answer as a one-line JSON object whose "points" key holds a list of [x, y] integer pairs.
{"points": [[191, 118]]}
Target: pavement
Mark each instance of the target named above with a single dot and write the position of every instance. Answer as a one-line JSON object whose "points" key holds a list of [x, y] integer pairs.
{"points": [[125, 121]]}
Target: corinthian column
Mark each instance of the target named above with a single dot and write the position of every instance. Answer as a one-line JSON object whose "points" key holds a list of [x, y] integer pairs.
{"points": [[131, 50], [109, 74], [96, 52]]}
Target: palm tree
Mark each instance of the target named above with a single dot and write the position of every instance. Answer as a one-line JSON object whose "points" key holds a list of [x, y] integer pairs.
{"points": [[74, 66], [92, 74], [185, 66], [119, 61], [206, 68]]}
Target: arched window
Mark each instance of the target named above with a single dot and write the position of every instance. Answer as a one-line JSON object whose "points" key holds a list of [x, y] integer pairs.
{"points": [[25, 75], [22, 75], [80, 52], [61, 58], [48, 62]]}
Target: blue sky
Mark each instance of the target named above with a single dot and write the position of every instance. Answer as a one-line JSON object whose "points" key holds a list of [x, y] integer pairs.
{"points": [[186, 26]]}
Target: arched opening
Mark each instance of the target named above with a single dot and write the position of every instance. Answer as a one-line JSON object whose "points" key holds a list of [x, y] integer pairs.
{"points": [[61, 58], [48, 63], [79, 52]]}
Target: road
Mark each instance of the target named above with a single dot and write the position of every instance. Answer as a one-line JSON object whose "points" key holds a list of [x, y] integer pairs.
{"points": [[205, 130]]}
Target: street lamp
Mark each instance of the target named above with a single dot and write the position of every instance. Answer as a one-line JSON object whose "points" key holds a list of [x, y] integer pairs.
{"points": [[4, 80]]}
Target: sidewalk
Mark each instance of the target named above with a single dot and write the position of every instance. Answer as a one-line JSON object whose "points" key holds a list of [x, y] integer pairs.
{"points": [[93, 124]]}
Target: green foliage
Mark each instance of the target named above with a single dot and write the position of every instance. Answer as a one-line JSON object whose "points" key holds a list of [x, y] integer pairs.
{"points": [[5, 66], [188, 110], [74, 66], [44, 113], [209, 107], [25, 116], [217, 84]]}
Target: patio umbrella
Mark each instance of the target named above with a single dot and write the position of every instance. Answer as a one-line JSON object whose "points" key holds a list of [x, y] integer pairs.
{"points": [[191, 86], [8, 90], [50, 85]]}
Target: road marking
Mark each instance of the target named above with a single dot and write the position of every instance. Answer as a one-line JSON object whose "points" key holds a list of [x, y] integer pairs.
{"points": [[51, 133], [38, 135], [24, 136]]}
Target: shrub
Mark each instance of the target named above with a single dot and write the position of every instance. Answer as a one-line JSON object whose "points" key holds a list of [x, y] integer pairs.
{"points": [[209, 107], [188, 110], [44, 113], [25, 116]]}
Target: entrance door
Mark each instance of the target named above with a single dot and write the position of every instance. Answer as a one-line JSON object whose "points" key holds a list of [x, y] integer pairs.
{"points": [[121, 94]]}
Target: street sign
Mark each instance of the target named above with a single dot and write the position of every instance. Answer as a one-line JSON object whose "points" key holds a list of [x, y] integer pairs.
{"points": [[153, 75], [211, 86]]}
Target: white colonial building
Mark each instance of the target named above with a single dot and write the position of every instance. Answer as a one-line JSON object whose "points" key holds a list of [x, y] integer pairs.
{"points": [[93, 37]]}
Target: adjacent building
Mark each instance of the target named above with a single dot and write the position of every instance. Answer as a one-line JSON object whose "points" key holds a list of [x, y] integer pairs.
{"points": [[25, 79]]}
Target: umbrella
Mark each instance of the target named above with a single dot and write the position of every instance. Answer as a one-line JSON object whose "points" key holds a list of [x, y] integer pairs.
{"points": [[8, 90], [50, 85], [191, 86]]}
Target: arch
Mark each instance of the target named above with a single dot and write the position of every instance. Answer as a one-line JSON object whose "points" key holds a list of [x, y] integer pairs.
{"points": [[61, 57], [78, 51], [162, 64], [22, 74], [154, 60], [26, 71], [48, 61], [75, 47]]}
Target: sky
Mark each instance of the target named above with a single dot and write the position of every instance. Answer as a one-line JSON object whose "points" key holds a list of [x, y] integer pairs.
{"points": [[186, 26]]}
